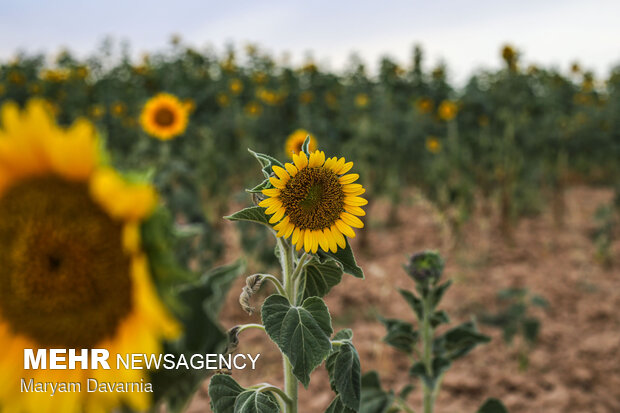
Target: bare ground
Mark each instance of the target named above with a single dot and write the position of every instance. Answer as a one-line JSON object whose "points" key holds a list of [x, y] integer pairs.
{"points": [[575, 367]]}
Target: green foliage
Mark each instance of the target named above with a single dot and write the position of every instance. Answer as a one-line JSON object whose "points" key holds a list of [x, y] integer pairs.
{"points": [[297, 320], [374, 398], [199, 305], [227, 396], [302, 333], [432, 355], [515, 320], [603, 235], [492, 406], [320, 277], [347, 259]]}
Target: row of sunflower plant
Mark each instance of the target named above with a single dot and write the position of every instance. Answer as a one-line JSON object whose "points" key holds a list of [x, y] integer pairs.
{"points": [[508, 140]]}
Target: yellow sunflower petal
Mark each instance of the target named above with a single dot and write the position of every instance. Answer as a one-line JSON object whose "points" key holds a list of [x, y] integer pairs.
{"points": [[333, 246], [301, 240], [277, 216], [300, 160], [277, 183], [345, 168], [355, 201], [355, 210], [265, 203], [351, 220], [342, 243], [291, 169], [273, 209], [345, 229], [329, 163], [315, 241], [296, 233], [338, 166], [281, 173], [289, 230], [323, 242], [307, 240], [272, 192], [347, 179]]}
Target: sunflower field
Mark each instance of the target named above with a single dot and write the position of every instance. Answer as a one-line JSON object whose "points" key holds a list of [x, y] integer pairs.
{"points": [[116, 176]]}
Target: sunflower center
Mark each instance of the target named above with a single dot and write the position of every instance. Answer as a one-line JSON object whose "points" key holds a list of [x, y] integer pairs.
{"points": [[164, 116], [64, 278], [313, 199]]}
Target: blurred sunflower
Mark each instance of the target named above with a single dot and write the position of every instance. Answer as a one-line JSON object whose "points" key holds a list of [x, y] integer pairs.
{"points": [[235, 86], [433, 145], [72, 271], [2, 89], [118, 109], [164, 116], [253, 109], [361, 100], [424, 105], [222, 99], [447, 110], [296, 140], [314, 202]]}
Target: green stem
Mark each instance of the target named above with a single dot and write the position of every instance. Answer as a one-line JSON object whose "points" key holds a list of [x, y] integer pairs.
{"points": [[263, 387], [287, 261], [275, 282], [248, 326], [403, 405], [427, 343]]}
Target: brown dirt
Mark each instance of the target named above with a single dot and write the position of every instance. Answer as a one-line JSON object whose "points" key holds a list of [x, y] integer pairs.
{"points": [[575, 367]]}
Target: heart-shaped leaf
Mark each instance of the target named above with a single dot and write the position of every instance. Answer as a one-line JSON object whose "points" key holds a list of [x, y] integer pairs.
{"points": [[301, 332]]}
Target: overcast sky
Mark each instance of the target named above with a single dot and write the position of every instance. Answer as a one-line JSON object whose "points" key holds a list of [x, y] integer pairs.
{"points": [[465, 34]]}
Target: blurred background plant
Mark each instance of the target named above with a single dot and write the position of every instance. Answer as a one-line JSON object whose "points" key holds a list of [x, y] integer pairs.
{"points": [[516, 321], [509, 141]]}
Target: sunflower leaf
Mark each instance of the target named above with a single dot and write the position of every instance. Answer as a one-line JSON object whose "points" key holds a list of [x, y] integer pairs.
{"points": [[251, 214], [267, 162], [336, 406], [227, 396], [223, 391], [492, 405], [320, 277], [346, 258], [253, 401], [305, 147], [343, 367], [259, 188], [374, 398], [301, 332]]}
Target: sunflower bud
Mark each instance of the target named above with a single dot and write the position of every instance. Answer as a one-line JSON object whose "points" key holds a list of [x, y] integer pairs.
{"points": [[425, 266]]}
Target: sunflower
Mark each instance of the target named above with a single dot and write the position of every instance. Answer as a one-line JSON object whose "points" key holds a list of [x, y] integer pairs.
{"points": [[315, 202], [72, 272], [447, 110], [433, 145], [164, 116], [296, 140], [361, 100]]}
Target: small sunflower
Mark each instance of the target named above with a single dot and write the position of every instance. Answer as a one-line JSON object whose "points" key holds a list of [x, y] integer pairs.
{"points": [[433, 145], [164, 116], [447, 110], [296, 140], [361, 100], [315, 202], [72, 271]]}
